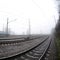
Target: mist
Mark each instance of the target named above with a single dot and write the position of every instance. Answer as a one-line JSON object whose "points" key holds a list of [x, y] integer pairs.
{"points": [[42, 14]]}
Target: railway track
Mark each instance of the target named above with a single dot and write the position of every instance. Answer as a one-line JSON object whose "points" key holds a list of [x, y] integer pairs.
{"points": [[16, 40], [36, 52], [13, 41]]}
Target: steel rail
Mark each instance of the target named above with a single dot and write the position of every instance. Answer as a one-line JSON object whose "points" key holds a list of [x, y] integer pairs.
{"points": [[26, 49], [16, 40], [44, 53], [6, 38]]}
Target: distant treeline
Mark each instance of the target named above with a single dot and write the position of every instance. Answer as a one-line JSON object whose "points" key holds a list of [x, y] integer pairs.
{"points": [[57, 29]]}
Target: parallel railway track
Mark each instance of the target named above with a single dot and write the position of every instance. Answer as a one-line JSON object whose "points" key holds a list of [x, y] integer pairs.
{"points": [[37, 52], [13, 41], [16, 40]]}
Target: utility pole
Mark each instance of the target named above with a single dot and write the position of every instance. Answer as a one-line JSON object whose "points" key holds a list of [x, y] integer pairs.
{"points": [[7, 27], [3, 28], [29, 28]]}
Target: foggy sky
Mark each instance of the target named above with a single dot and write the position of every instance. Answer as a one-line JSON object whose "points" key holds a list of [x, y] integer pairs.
{"points": [[43, 15]]}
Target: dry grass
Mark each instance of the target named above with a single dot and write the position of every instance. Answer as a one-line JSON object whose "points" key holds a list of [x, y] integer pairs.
{"points": [[58, 48]]}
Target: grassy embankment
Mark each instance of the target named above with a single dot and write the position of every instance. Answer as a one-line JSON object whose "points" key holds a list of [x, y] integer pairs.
{"points": [[57, 41]]}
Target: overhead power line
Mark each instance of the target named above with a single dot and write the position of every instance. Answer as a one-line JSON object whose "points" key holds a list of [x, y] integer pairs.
{"points": [[39, 7]]}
